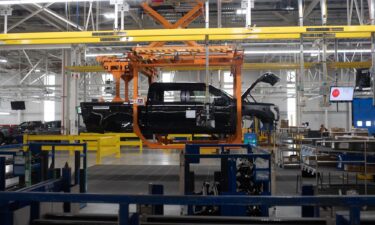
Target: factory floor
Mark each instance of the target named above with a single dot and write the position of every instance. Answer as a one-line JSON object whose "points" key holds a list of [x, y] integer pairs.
{"points": [[132, 173]]}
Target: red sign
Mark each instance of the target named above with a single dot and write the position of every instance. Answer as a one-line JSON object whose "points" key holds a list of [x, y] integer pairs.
{"points": [[336, 93]]}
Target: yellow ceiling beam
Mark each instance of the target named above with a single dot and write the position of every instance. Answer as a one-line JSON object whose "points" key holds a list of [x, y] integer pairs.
{"points": [[246, 66], [193, 32], [196, 34]]}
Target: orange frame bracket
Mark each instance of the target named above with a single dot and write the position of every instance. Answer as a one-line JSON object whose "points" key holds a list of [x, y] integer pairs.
{"points": [[183, 22]]}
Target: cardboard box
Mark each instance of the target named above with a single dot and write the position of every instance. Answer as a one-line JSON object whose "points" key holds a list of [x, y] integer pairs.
{"points": [[284, 124]]}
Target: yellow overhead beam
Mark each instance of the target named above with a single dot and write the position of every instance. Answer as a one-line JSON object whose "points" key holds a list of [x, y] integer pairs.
{"points": [[246, 66], [196, 34], [85, 69]]}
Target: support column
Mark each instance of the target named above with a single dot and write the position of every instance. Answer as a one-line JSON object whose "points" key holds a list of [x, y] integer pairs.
{"points": [[135, 106], [117, 79], [219, 14], [5, 11], [19, 112], [324, 16], [73, 80], [126, 81], [300, 79], [248, 12], [85, 86], [65, 125], [207, 77], [373, 65], [323, 6], [237, 92], [372, 19]]}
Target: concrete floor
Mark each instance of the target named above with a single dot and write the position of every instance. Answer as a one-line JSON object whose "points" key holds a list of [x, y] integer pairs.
{"points": [[132, 173]]}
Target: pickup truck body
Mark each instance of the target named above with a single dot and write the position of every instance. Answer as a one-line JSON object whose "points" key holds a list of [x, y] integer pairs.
{"points": [[175, 108]]}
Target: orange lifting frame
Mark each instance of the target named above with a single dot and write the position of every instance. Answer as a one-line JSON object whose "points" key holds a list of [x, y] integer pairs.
{"points": [[146, 59], [235, 61]]}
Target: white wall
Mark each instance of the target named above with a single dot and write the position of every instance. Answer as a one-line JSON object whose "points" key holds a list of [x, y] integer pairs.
{"points": [[33, 111]]}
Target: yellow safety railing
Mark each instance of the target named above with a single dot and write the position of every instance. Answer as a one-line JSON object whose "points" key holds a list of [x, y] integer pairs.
{"points": [[103, 145], [126, 139]]}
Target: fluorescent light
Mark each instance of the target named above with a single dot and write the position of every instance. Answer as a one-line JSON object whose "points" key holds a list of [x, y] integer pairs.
{"points": [[90, 55], [3, 60], [37, 70], [241, 11], [14, 2], [4, 113], [109, 15], [313, 52]]}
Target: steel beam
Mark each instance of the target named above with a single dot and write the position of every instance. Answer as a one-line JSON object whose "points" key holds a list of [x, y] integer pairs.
{"points": [[31, 70], [30, 16], [310, 8], [136, 19], [300, 12], [286, 19], [52, 13]]}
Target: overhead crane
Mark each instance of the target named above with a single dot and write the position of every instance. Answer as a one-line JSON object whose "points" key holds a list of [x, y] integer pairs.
{"points": [[195, 34]]}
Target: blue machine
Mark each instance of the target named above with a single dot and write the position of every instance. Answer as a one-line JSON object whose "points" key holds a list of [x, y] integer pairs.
{"points": [[240, 174], [43, 176], [351, 217], [35, 165], [251, 139], [364, 114]]}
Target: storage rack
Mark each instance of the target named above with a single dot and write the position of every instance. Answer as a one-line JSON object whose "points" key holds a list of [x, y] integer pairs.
{"points": [[324, 157], [289, 142]]}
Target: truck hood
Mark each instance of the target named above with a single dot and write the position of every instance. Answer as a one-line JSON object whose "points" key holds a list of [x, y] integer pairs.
{"points": [[269, 78]]}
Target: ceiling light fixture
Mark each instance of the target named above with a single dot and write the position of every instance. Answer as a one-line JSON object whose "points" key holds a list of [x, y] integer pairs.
{"points": [[241, 11], [109, 15], [3, 60], [4, 113], [18, 2]]}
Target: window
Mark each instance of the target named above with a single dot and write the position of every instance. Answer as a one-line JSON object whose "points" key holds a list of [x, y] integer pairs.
{"points": [[167, 77], [107, 90], [197, 96], [228, 82], [200, 96], [49, 105], [172, 96]]}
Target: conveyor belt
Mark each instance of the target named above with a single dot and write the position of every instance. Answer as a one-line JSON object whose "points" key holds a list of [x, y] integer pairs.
{"points": [[200, 220], [86, 219]]}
